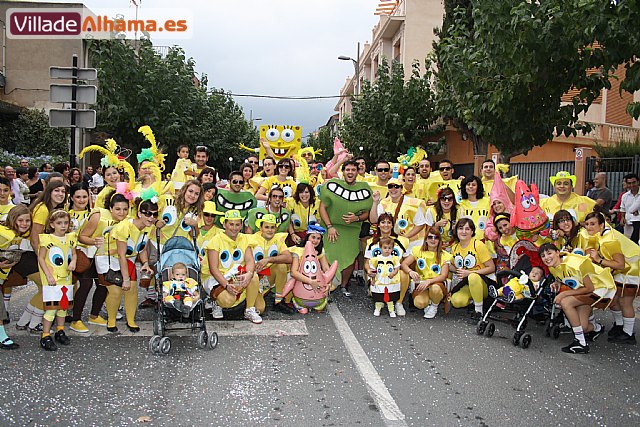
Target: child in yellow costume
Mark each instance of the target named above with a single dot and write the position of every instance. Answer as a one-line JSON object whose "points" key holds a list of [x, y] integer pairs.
{"points": [[518, 287], [386, 286], [56, 259], [181, 292]]}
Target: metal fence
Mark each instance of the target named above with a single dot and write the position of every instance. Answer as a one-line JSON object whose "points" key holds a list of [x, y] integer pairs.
{"points": [[539, 173], [615, 168]]}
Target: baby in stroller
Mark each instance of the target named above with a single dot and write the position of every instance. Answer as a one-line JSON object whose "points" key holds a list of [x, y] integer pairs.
{"points": [[518, 288], [181, 291]]}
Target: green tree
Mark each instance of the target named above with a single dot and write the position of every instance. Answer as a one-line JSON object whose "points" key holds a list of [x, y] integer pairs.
{"points": [[391, 114], [139, 87], [503, 66], [30, 133]]}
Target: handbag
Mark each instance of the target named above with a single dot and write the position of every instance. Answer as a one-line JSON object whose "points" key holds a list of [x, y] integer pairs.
{"points": [[112, 276], [83, 262]]}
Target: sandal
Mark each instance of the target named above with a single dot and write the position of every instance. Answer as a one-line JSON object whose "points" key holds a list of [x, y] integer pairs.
{"points": [[8, 344]]}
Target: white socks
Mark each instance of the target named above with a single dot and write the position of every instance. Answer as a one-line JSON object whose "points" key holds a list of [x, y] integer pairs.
{"points": [[617, 317], [478, 307], [628, 323], [579, 334]]}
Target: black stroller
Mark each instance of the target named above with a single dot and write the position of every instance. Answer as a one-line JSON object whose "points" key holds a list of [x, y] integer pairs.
{"points": [[510, 310], [178, 249]]}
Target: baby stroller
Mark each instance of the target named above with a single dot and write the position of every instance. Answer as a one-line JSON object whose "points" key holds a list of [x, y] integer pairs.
{"points": [[178, 249], [513, 311]]}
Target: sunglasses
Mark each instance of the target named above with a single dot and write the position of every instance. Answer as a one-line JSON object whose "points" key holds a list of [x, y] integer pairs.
{"points": [[432, 237], [396, 186], [284, 166], [277, 196], [562, 220], [383, 169], [253, 163], [208, 215], [447, 198], [445, 168], [319, 166], [149, 214], [236, 182]]}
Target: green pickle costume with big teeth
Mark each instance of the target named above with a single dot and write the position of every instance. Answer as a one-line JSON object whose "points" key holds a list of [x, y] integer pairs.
{"points": [[339, 199], [226, 201]]}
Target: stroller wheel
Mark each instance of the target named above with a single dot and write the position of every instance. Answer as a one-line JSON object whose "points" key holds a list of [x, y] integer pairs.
{"points": [[555, 332], [526, 341], [547, 328], [165, 345], [154, 344], [213, 340], [202, 339], [481, 327], [516, 339], [491, 329]]}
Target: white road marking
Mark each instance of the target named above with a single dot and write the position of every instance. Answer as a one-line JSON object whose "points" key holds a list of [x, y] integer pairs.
{"points": [[237, 328], [389, 409]]}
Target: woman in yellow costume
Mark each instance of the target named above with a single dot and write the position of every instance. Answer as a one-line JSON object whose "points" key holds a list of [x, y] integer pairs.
{"points": [[53, 197], [126, 242], [444, 214], [401, 249], [607, 247], [17, 228], [284, 178], [110, 163], [431, 272], [232, 265], [473, 268], [408, 212], [582, 285], [474, 204], [206, 231]]}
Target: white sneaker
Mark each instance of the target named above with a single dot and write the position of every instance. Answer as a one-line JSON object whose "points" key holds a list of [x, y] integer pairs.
{"points": [[252, 315], [430, 311], [216, 311], [120, 313], [400, 309], [376, 312], [392, 314]]}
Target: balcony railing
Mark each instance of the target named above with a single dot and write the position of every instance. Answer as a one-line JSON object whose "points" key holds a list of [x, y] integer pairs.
{"points": [[605, 133]]}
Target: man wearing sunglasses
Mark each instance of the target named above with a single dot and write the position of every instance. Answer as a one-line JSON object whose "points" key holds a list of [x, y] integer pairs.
{"points": [[383, 173]]}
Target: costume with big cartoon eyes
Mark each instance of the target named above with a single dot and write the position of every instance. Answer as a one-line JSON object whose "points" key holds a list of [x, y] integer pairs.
{"points": [[478, 211], [411, 214], [58, 255], [426, 262], [301, 216], [574, 268]]}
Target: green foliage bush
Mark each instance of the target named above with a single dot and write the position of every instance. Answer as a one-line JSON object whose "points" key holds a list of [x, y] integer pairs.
{"points": [[30, 135]]}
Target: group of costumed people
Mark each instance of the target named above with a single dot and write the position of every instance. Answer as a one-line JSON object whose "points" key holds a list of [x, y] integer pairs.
{"points": [[288, 225]]}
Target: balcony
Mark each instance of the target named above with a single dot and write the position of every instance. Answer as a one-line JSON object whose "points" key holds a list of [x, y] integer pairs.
{"points": [[604, 134]]}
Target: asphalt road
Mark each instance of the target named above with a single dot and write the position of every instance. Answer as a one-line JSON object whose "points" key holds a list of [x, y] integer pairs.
{"points": [[340, 368]]}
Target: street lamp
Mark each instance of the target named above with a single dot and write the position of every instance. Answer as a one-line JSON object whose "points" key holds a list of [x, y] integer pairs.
{"points": [[356, 65]]}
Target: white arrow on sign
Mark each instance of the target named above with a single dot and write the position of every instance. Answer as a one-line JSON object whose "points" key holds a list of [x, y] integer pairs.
{"points": [[62, 118], [64, 93]]}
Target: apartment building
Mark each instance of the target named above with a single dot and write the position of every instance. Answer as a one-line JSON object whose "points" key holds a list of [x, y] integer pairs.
{"points": [[405, 33]]}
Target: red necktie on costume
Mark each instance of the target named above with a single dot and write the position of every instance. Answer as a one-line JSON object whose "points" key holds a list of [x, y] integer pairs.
{"points": [[64, 301], [386, 298]]}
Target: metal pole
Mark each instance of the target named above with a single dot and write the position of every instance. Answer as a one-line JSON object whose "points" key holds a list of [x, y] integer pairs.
{"points": [[358, 71], [74, 108]]}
